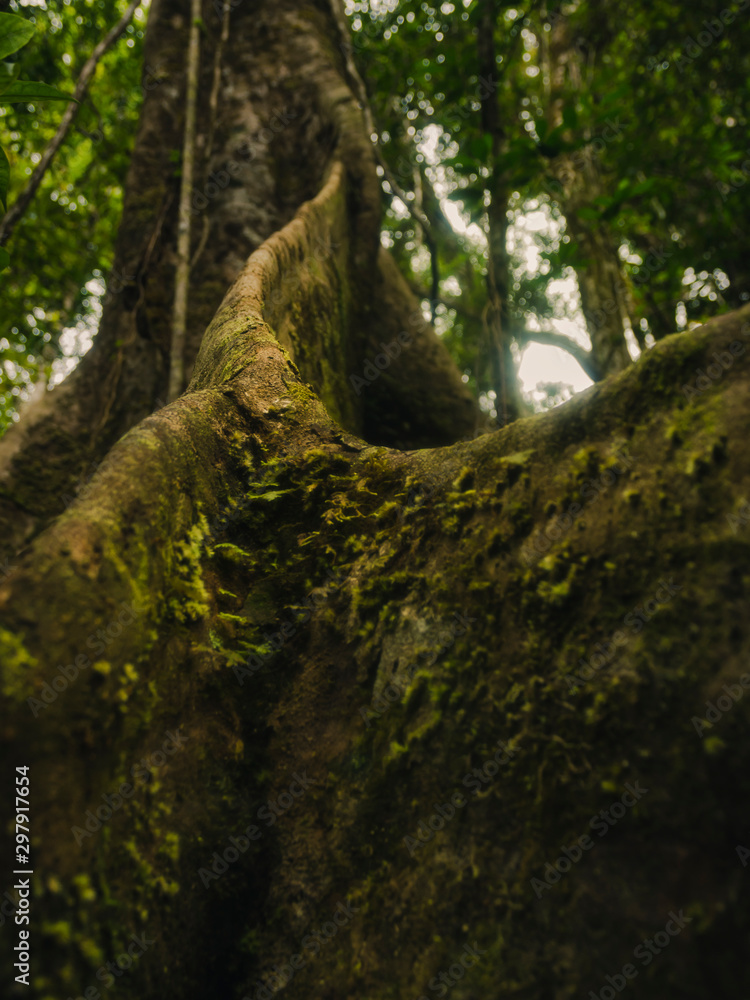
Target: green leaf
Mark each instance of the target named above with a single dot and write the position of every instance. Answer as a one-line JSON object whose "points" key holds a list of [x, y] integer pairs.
{"points": [[8, 73], [588, 213], [472, 196], [553, 144], [570, 116], [4, 178], [24, 91], [614, 98], [4, 258], [646, 187], [480, 147], [271, 495], [15, 32]]}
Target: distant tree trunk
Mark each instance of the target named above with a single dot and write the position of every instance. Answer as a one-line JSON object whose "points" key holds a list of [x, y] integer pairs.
{"points": [[305, 695], [508, 403], [604, 299]]}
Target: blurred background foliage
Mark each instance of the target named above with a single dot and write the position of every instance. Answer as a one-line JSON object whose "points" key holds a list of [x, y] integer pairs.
{"points": [[61, 251], [616, 161], [629, 119]]}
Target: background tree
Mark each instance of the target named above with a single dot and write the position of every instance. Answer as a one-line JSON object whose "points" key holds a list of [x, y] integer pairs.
{"points": [[576, 88]]}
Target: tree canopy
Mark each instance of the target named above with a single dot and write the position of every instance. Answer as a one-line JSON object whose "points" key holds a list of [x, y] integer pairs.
{"points": [[576, 88]]}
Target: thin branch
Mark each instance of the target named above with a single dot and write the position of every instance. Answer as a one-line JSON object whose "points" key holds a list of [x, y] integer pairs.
{"points": [[213, 104], [547, 337], [14, 215], [201, 242], [213, 113], [182, 278]]}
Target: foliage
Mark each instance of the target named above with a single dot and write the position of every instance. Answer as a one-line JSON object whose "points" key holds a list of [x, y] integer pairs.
{"points": [[657, 93], [62, 248], [14, 34]]}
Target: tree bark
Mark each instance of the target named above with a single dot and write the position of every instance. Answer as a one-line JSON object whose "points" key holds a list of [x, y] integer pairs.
{"points": [[604, 297], [257, 665], [509, 404], [270, 150]]}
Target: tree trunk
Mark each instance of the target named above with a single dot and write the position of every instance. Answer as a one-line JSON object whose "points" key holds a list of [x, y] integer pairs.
{"points": [[301, 703], [269, 152], [578, 183], [508, 403]]}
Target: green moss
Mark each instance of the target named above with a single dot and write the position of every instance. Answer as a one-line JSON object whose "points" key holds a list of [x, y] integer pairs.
{"points": [[188, 601], [17, 663]]}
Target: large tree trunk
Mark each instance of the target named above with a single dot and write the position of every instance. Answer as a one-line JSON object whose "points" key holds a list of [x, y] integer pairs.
{"points": [[279, 127], [262, 597]]}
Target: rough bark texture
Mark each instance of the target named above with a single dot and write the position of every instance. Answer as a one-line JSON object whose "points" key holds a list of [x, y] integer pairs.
{"points": [[293, 594], [277, 128]]}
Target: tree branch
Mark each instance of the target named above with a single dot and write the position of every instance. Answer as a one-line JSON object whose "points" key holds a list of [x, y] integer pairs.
{"points": [[551, 339], [182, 278]]}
